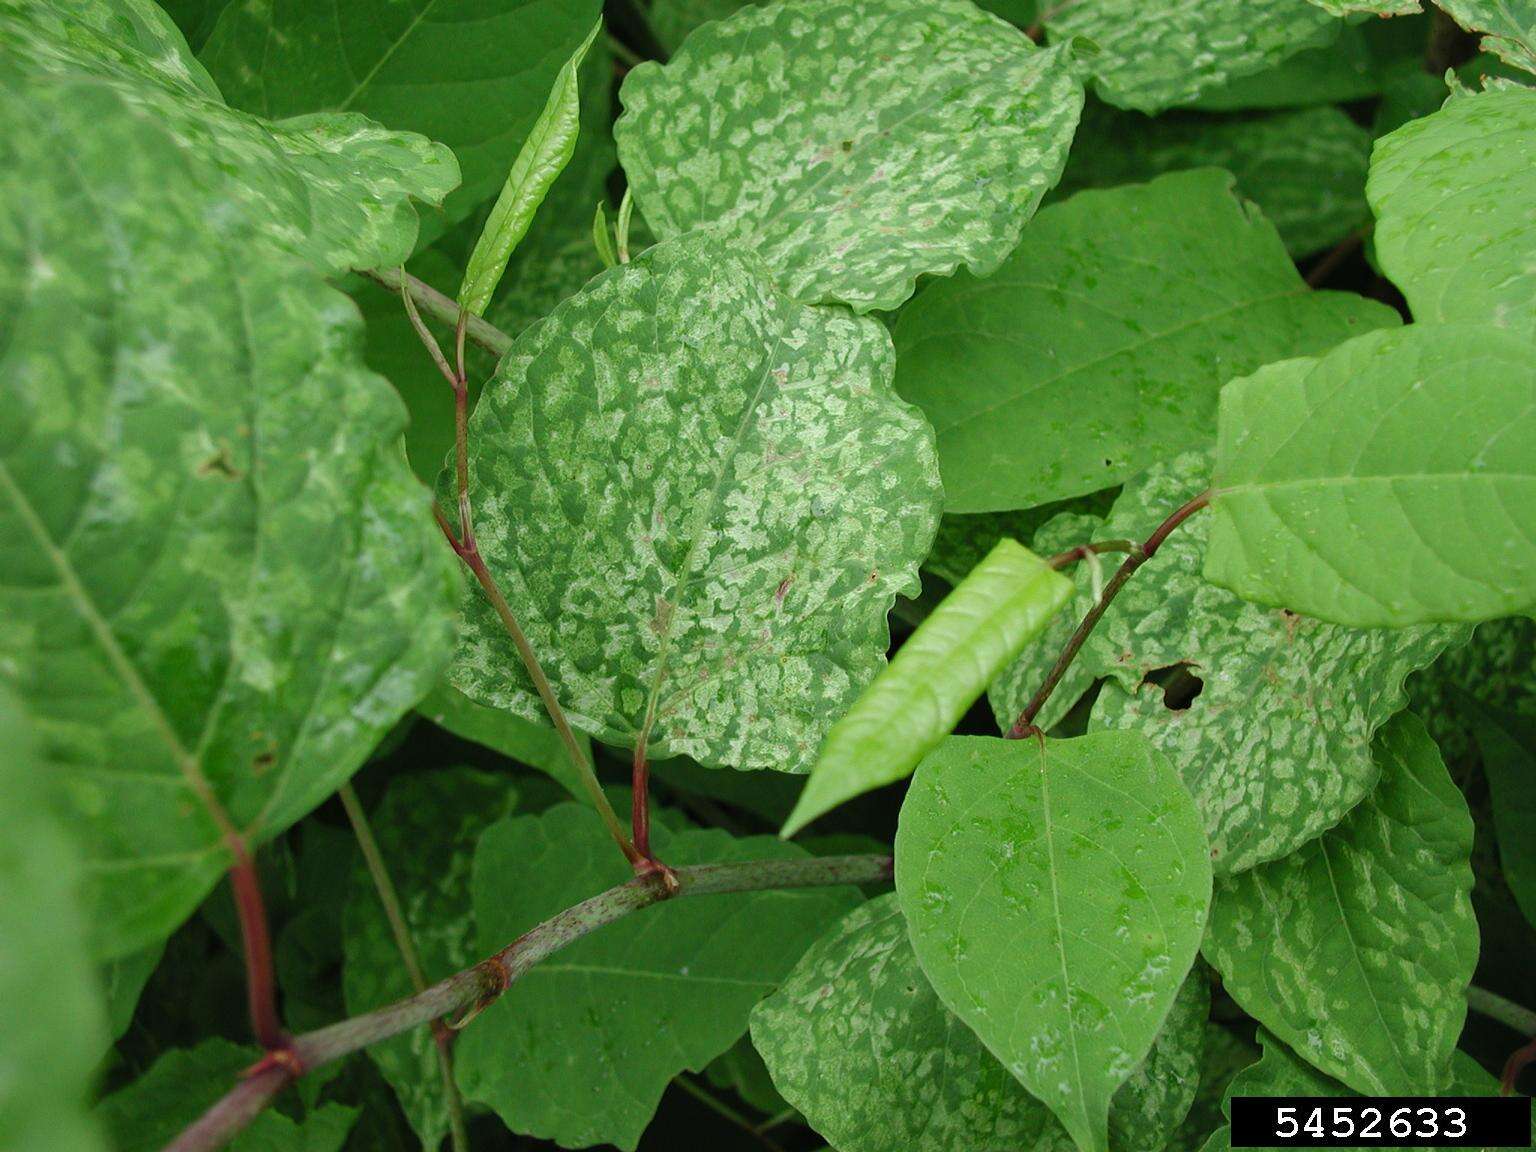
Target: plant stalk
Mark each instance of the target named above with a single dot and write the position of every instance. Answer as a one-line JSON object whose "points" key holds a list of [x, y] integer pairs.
{"points": [[256, 939], [442, 308], [465, 994]]}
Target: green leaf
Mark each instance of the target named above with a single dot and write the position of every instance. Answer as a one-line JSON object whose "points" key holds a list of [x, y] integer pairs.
{"points": [[1056, 893], [859, 1042], [222, 585], [1304, 169], [1508, 744], [1509, 27], [854, 144], [335, 189], [1331, 500], [1101, 344], [543, 157], [742, 1071], [1356, 950], [673, 20], [50, 1005], [529, 742], [1456, 211], [1151, 54], [443, 68], [1275, 746], [184, 1083], [195, 18], [964, 540], [1356, 66], [700, 499], [936, 676], [1496, 669], [663, 991], [427, 826], [122, 983], [1369, 7]]}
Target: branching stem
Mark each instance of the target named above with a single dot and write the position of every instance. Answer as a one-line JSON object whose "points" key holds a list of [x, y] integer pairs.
{"points": [[466, 993], [442, 308]]}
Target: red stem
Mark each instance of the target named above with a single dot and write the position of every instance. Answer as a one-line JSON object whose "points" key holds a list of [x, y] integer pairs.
{"points": [[261, 987], [640, 803]]}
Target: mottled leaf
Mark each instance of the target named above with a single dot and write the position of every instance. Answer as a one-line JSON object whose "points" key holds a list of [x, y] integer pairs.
{"points": [[1368, 7], [1331, 500], [444, 68], [1508, 744], [1056, 893], [1508, 27], [1102, 343], [859, 1042], [222, 584], [1356, 949], [854, 144], [1357, 65], [427, 827], [185, 1082], [935, 677], [1305, 169], [701, 499], [1275, 745], [663, 991], [1456, 211], [51, 1015], [673, 20], [1150, 54]]}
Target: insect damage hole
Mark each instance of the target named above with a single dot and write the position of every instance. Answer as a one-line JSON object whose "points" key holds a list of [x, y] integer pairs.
{"points": [[1179, 683]]}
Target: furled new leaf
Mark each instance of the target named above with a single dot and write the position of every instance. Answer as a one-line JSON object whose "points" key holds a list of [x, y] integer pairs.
{"points": [[1356, 950], [222, 585], [860, 1044], [1508, 744], [854, 144], [936, 676], [543, 157], [1271, 729], [1102, 343], [1056, 893], [663, 991], [700, 499], [1151, 54], [1390, 482], [1456, 211], [427, 827]]}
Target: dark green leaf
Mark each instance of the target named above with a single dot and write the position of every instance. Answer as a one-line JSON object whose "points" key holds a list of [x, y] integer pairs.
{"points": [[1508, 744]]}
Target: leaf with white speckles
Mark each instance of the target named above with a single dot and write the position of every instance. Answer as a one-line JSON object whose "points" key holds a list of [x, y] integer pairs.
{"points": [[936, 676], [700, 498], [336, 189], [1329, 499], [1155, 53], [857, 1040], [1356, 950], [1508, 27], [427, 826], [1056, 896], [1102, 343], [1276, 745], [1456, 211], [1369, 7], [581, 1047], [854, 144], [220, 577]]}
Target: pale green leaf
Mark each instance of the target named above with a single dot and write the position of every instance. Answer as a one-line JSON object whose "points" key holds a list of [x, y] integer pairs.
{"points": [[854, 144], [1304, 168], [663, 991], [540, 161], [1356, 950], [427, 826], [335, 189], [859, 1042], [673, 20], [1390, 482], [1508, 744], [185, 1082], [937, 674], [1150, 54], [1357, 65], [1056, 893], [700, 499], [470, 75], [1102, 343], [1456, 211], [1508, 27], [51, 1013], [1369, 7], [221, 581], [531, 742], [1275, 746]]}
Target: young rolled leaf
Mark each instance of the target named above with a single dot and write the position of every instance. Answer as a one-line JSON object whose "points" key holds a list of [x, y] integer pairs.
{"points": [[937, 674], [542, 158], [1391, 482], [700, 499], [1356, 950], [1456, 211], [1056, 895], [857, 1040], [854, 144]]}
